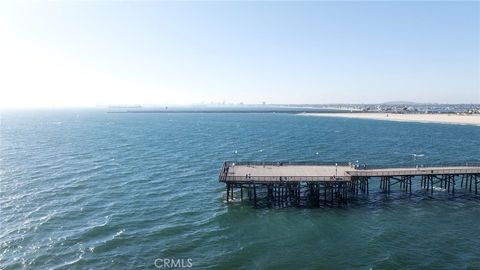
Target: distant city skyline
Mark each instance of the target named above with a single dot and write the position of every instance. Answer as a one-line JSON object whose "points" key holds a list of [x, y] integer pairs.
{"points": [[86, 54]]}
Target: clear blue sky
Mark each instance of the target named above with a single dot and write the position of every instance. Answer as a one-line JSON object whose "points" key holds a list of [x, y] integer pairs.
{"points": [[87, 53]]}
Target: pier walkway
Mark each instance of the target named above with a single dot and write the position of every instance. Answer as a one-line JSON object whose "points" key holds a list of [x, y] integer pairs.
{"points": [[287, 183]]}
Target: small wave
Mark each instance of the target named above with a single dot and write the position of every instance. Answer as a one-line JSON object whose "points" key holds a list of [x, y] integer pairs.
{"points": [[107, 242], [234, 200], [119, 233], [72, 262]]}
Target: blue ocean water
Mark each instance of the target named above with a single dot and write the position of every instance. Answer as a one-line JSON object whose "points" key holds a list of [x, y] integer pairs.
{"points": [[86, 189]]}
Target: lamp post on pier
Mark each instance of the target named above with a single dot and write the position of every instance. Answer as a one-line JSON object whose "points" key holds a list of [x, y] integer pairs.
{"points": [[415, 158]]}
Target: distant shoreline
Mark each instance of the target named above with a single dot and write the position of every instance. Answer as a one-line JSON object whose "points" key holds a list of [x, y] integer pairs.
{"points": [[232, 110], [456, 119]]}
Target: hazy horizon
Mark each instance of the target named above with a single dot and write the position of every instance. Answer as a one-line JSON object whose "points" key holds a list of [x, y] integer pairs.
{"points": [[90, 54], [170, 105]]}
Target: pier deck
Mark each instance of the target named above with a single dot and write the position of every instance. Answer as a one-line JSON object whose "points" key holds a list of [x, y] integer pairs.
{"points": [[287, 172], [291, 183]]}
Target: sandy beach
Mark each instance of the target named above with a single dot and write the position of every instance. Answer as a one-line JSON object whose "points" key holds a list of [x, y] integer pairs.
{"points": [[458, 119]]}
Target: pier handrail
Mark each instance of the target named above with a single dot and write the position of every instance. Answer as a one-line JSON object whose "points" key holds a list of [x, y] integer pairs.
{"points": [[343, 163], [289, 163], [413, 171], [223, 171], [435, 165], [284, 178]]}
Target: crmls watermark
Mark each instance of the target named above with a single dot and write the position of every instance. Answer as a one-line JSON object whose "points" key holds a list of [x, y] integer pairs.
{"points": [[173, 263]]}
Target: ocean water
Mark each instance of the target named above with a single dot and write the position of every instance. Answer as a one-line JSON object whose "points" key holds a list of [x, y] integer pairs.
{"points": [[86, 189]]}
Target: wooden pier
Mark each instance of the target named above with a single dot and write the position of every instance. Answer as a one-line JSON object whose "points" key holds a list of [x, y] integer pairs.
{"points": [[313, 184]]}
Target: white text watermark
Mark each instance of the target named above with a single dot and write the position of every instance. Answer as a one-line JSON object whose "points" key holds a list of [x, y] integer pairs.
{"points": [[173, 263]]}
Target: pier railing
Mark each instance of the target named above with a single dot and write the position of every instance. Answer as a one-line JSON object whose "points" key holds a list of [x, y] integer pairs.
{"points": [[358, 166], [289, 163], [420, 166], [417, 171], [237, 178]]}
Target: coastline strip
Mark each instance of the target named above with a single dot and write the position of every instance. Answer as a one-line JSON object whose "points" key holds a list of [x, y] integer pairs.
{"points": [[456, 119]]}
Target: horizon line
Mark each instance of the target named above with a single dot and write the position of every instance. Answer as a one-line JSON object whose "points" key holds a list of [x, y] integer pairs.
{"points": [[219, 104]]}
